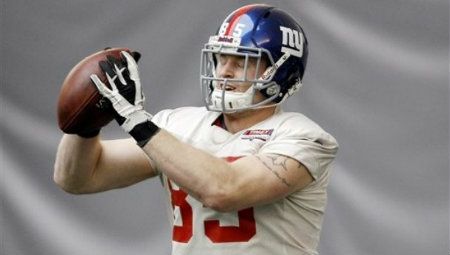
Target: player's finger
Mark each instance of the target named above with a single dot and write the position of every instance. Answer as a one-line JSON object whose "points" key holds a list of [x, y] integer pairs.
{"points": [[136, 55], [101, 87], [111, 59], [120, 71], [132, 65], [111, 82], [106, 68], [115, 62], [119, 68]]}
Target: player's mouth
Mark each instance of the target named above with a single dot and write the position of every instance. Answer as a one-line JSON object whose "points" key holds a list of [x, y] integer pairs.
{"points": [[228, 87]]}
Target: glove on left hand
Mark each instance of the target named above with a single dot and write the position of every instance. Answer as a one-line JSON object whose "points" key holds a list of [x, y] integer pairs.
{"points": [[132, 116]]}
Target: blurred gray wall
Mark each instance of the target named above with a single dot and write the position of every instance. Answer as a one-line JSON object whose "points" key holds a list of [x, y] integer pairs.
{"points": [[377, 79]]}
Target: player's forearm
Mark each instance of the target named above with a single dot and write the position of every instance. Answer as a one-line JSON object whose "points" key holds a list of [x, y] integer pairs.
{"points": [[205, 177], [75, 162]]}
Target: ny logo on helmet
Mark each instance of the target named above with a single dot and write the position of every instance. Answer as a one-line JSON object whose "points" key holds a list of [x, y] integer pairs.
{"points": [[293, 41]]}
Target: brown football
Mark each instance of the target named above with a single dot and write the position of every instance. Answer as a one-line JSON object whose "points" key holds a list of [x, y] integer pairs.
{"points": [[81, 108]]}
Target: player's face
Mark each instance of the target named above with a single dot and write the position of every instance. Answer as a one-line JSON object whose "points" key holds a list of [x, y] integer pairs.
{"points": [[233, 67]]}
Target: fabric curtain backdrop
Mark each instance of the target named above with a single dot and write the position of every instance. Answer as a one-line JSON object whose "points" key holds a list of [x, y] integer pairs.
{"points": [[377, 79]]}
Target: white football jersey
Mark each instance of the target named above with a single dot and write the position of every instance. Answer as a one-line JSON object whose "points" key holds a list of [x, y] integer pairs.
{"points": [[288, 226]]}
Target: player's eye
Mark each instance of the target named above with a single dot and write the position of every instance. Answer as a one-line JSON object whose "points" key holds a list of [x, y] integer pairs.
{"points": [[240, 62], [221, 59]]}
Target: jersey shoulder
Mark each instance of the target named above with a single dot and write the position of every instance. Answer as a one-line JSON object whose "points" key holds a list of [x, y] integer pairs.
{"points": [[298, 124], [297, 136], [186, 116]]}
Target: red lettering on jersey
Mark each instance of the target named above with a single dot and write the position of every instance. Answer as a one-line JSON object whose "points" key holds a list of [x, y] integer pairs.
{"points": [[216, 233], [242, 233], [182, 233], [223, 234]]}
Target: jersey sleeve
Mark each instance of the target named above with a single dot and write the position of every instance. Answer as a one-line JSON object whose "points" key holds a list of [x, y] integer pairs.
{"points": [[306, 142], [161, 119]]}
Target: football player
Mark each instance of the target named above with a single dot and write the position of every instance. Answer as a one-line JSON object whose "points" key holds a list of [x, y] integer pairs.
{"points": [[242, 175]]}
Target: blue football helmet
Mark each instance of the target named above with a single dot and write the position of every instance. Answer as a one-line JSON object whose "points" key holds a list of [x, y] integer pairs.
{"points": [[260, 32]]}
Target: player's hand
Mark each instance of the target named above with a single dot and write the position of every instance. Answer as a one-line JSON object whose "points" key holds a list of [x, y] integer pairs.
{"points": [[117, 73], [126, 94], [128, 91]]}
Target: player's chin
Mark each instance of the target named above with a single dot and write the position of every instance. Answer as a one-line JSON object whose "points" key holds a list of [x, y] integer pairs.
{"points": [[240, 113]]}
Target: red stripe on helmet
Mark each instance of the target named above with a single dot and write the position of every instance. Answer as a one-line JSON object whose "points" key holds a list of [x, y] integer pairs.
{"points": [[235, 18]]}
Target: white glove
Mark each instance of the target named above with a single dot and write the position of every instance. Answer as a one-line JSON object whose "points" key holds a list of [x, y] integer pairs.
{"points": [[133, 112]]}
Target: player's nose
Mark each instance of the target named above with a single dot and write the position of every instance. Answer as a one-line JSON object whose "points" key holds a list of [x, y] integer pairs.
{"points": [[226, 70]]}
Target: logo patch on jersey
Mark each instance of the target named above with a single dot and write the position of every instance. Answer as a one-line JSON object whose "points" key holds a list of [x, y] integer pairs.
{"points": [[260, 134]]}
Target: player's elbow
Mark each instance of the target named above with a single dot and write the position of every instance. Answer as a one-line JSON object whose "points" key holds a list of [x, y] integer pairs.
{"points": [[66, 184], [219, 199], [70, 190], [218, 204]]}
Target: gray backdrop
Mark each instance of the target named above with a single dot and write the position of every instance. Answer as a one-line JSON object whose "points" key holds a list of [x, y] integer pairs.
{"points": [[377, 79]]}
